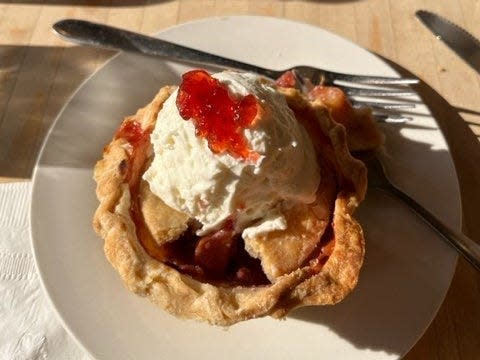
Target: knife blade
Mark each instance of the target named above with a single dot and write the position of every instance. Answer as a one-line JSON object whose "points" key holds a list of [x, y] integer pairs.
{"points": [[456, 38]]}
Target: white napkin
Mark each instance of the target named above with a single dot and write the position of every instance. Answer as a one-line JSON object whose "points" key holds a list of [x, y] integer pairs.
{"points": [[29, 329]]}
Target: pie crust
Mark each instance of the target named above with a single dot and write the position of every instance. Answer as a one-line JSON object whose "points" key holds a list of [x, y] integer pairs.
{"points": [[297, 277]]}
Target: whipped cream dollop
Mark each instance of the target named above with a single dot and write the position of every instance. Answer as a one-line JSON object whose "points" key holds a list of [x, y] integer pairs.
{"points": [[216, 187]]}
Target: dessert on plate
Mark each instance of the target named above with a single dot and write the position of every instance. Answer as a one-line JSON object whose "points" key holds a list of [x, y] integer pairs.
{"points": [[231, 197]]}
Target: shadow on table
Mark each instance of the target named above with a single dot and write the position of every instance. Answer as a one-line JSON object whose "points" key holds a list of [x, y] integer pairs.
{"points": [[467, 111], [36, 83], [32, 99]]}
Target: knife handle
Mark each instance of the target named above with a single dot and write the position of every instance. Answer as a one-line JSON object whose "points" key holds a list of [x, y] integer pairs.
{"points": [[104, 36]]}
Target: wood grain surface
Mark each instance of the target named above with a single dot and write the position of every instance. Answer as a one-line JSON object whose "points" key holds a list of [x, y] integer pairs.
{"points": [[39, 72]]}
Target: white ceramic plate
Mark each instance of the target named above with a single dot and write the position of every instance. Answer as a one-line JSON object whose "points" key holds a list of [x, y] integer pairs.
{"points": [[407, 268]]}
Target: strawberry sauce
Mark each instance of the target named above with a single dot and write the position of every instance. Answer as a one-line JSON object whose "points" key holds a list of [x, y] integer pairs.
{"points": [[218, 117]]}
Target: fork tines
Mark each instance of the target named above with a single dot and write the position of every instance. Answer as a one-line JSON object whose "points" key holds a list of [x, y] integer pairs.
{"points": [[376, 80], [363, 86], [356, 91], [383, 105]]}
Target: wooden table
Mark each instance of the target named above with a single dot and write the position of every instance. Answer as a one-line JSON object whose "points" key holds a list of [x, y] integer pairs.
{"points": [[38, 73]]}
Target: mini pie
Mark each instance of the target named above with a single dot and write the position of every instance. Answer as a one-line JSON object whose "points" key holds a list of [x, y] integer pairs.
{"points": [[315, 261]]}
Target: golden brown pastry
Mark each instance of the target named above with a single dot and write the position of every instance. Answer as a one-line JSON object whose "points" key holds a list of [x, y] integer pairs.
{"points": [[315, 261]]}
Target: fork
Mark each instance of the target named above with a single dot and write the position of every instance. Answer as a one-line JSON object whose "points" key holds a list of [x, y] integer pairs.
{"points": [[99, 35], [378, 179]]}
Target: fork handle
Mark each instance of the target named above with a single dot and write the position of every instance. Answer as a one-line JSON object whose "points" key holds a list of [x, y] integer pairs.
{"points": [[104, 36], [463, 244]]}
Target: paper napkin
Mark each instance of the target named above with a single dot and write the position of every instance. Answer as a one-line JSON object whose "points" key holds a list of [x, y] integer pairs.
{"points": [[29, 328]]}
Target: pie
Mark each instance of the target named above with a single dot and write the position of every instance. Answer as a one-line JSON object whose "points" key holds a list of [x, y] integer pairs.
{"points": [[220, 277]]}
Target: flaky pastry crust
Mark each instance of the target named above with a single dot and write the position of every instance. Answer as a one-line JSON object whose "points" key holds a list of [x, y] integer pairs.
{"points": [[183, 296]]}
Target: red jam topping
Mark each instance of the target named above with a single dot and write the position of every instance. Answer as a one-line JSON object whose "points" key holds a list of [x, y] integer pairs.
{"points": [[218, 117], [287, 80], [131, 131], [138, 138]]}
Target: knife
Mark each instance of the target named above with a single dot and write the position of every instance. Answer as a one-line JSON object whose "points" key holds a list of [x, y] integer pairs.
{"points": [[459, 40]]}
